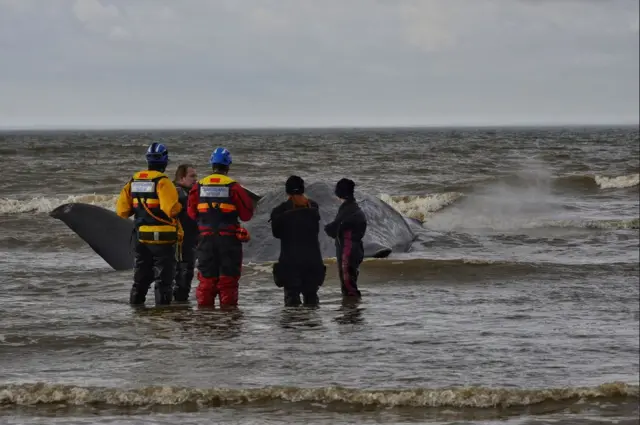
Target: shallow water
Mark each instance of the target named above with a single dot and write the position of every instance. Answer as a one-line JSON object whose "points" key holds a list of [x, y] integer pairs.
{"points": [[518, 303]]}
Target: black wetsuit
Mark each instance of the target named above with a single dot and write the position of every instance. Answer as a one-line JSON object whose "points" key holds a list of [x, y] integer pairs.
{"points": [[185, 267], [348, 229], [300, 269]]}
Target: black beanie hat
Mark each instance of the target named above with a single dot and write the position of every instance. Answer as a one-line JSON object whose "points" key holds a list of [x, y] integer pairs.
{"points": [[294, 185], [344, 189]]}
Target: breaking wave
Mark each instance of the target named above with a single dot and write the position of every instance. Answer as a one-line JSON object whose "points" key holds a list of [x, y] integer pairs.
{"points": [[42, 204], [619, 182], [419, 207], [456, 397], [569, 182], [594, 181]]}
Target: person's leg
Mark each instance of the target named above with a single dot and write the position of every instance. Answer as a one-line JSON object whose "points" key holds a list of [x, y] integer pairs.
{"points": [[208, 269], [184, 274], [164, 266], [142, 274], [311, 280], [230, 249], [350, 264]]}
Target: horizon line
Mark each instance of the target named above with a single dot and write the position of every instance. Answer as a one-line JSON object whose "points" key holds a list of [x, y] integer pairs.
{"points": [[309, 127]]}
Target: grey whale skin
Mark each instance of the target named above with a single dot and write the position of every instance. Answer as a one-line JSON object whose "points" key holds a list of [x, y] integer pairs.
{"points": [[111, 236]]}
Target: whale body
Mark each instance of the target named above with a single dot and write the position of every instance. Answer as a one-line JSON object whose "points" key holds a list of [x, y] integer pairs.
{"points": [[112, 237], [387, 230]]}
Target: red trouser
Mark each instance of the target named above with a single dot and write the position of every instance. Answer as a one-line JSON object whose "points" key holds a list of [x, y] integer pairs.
{"points": [[219, 269]]}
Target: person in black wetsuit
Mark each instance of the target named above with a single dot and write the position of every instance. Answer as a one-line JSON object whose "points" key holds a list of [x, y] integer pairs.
{"points": [[300, 269], [348, 228], [184, 179]]}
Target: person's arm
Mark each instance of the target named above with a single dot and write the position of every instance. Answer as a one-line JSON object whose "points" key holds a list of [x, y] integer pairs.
{"points": [[316, 215], [192, 202], [277, 220], [331, 229], [124, 204], [242, 201], [168, 196]]}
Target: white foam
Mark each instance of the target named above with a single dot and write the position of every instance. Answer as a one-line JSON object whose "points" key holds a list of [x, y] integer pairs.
{"points": [[43, 204], [619, 182], [420, 206]]}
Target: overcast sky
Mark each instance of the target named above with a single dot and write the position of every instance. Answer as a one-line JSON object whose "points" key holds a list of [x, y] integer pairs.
{"points": [[230, 63]]}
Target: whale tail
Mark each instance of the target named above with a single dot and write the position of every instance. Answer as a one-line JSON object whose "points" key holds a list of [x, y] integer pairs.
{"points": [[110, 236]]}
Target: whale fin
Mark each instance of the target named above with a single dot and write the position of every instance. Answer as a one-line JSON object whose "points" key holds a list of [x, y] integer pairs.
{"points": [[377, 251], [108, 234], [254, 196]]}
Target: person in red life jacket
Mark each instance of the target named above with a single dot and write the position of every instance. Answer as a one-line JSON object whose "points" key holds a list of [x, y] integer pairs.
{"points": [[151, 197], [184, 179], [348, 228], [300, 269], [217, 203]]}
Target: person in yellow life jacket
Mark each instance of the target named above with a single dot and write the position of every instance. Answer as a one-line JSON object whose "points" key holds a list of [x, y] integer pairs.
{"points": [[152, 198], [217, 203]]}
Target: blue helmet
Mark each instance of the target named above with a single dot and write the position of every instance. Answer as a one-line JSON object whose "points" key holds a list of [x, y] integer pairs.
{"points": [[157, 153], [220, 156]]}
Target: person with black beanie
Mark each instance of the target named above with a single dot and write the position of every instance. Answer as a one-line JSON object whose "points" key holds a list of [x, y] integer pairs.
{"points": [[348, 229], [300, 269]]}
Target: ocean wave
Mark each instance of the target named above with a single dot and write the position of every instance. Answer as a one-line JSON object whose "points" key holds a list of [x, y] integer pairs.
{"points": [[415, 206], [622, 224], [618, 182], [461, 265], [460, 397], [499, 224], [43, 204], [579, 182], [420, 207], [595, 181], [423, 207]]}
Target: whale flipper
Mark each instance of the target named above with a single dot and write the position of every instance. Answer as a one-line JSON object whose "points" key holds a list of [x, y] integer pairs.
{"points": [[376, 251], [109, 235]]}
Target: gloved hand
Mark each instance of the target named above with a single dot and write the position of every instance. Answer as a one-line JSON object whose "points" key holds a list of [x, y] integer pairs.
{"points": [[243, 235]]}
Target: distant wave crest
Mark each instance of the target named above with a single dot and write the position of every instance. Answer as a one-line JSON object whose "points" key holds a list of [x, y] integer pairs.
{"points": [[618, 182]]}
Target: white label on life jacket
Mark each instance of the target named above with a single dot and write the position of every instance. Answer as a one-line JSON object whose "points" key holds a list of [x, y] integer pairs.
{"points": [[143, 187], [214, 191]]}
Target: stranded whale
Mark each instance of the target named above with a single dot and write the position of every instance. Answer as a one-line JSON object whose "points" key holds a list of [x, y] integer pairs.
{"points": [[111, 237], [387, 230]]}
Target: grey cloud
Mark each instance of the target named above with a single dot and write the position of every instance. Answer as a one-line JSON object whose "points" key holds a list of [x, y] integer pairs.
{"points": [[306, 62]]}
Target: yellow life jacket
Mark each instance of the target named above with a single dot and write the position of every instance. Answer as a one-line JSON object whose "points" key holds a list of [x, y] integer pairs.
{"points": [[216, 209], [152, 224]]}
